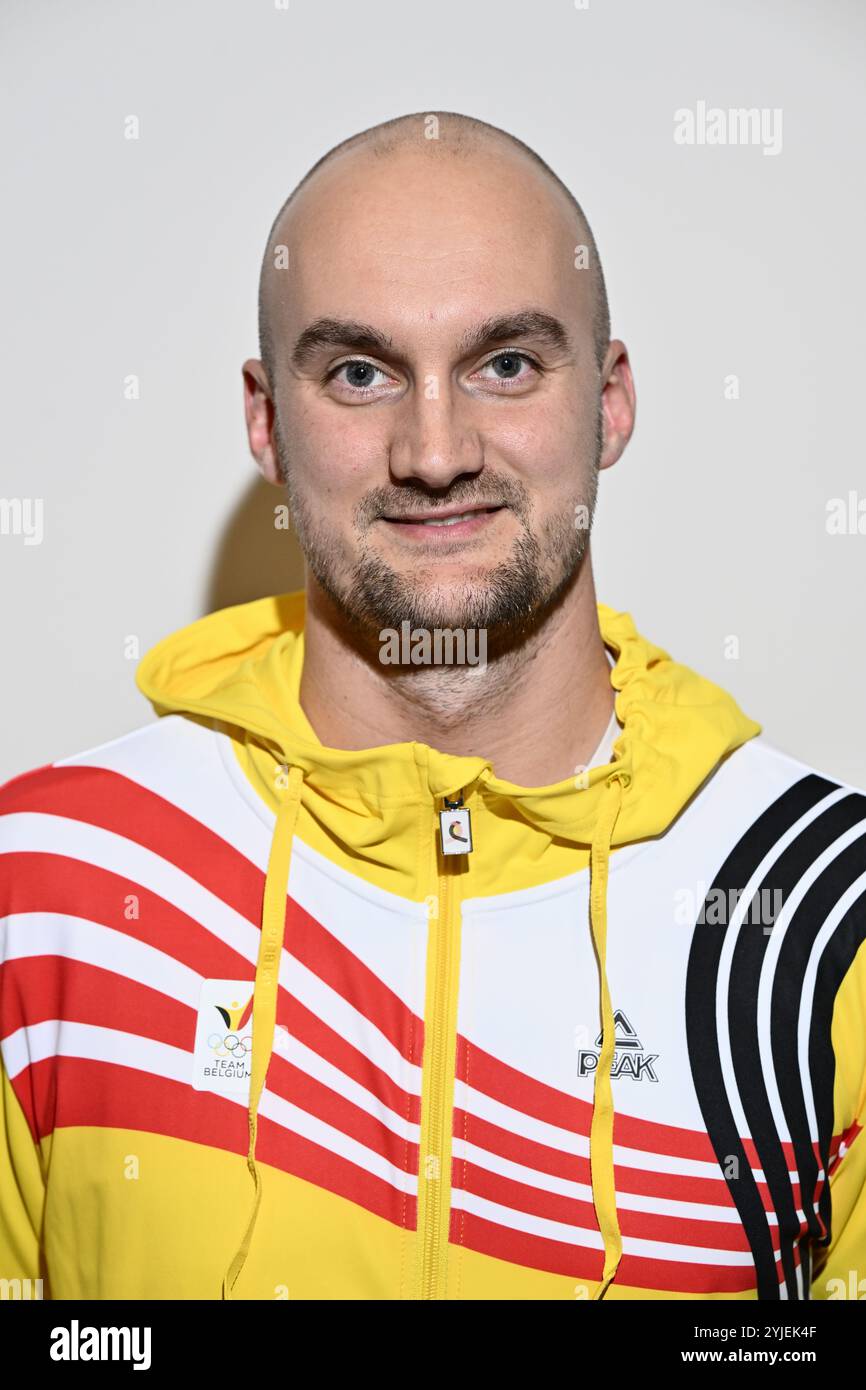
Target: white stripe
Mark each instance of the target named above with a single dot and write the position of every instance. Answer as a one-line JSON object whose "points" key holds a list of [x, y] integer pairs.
{"points": [[313, 1065], [582, 1192], [580, 1235], [807, 998], [179, 760], [32, 935], [105, 849], [566, 1141], [349, 1023], [765, 987], [729, 943], [29, 935], [58, 1037], [387, 933], [297, 1121], [194, 768], [136, 865]]}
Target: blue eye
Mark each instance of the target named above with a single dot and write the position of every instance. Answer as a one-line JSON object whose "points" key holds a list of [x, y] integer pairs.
{"points": [[507, 366], [361, 375], [361, 378]]}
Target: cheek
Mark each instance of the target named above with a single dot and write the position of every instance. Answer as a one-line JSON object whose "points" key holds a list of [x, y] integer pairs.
{"points": [[334, 459], [552, 452]]}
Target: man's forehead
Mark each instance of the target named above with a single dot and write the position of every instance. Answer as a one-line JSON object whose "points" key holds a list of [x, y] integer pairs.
{"points": [[401, 284], [424, 248]]}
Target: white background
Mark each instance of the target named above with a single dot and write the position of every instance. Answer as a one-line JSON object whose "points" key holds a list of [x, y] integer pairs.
{"points": [[142, 257]]}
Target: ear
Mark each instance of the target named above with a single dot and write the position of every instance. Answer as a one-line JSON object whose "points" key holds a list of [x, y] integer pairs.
{"points": [[259, 415], [617, 401]]}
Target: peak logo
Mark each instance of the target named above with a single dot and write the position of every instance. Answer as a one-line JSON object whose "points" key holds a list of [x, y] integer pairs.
{"points": [[629, 1057]]}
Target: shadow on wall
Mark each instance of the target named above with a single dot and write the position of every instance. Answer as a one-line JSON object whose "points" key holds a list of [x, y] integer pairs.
{"points": [[253, 557]]}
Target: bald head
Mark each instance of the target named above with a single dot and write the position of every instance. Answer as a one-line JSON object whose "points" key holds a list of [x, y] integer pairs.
{"points": [[423, 140], [437, 391]]}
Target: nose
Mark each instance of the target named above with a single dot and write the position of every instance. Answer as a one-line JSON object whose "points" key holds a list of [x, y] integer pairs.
{"points": [[433, 444]]}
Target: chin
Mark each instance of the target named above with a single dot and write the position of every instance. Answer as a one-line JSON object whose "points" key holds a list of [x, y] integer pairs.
{"points": [[464, 599], [466, 606], [499, 596]]}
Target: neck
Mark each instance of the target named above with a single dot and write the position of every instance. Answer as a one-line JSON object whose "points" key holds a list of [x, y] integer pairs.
{"points": [[536, 713]]}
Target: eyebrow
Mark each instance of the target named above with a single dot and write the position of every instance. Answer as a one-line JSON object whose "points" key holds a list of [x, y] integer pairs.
{"points": [[361, 337]]}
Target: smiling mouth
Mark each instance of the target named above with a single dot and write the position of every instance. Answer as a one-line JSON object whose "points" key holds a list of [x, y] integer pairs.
{"points": [[442, 517]]}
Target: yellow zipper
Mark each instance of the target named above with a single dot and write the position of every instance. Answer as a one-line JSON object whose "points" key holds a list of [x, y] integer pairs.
{"points": [[434, 1206]]}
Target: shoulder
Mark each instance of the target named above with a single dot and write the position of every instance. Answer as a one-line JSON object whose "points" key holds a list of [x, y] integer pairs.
{"points": [[174, 763], [156, 812], [769, 788], [764, 758], [139, 754], [759, 802], [810, 821], [806, 841]]}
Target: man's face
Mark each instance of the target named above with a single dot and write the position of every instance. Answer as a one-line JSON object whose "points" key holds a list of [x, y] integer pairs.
{"points": [[440, 467]]}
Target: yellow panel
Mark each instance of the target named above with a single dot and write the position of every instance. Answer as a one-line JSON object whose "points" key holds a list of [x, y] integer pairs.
{"points": [[478, 1277], [111, 1232]]}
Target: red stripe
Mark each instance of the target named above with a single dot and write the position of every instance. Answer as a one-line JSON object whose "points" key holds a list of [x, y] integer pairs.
{"points": [[315, 1034], [516, 1089], [316, 948], [575, 1167], [38, 988], [51, 883], [154, 823], [39, 882], [64, 1092], [308, 1093], [846, 1138], [585, 1266], [572, 1211], [751, 1151], [113, 802], [324, 1169], [54, 884]]}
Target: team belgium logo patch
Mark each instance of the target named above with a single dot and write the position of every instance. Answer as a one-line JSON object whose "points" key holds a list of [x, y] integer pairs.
{"points": [[224, 1037], [629, 1057]]}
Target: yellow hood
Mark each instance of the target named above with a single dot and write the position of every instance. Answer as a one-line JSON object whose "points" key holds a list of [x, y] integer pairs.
{"points": [[242, 668]]}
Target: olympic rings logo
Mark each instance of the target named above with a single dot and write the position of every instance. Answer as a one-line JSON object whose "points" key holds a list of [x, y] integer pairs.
{"points": [[229, 1042]]}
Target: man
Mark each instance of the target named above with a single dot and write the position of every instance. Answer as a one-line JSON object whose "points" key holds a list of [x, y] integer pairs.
{"points": [[529, 971]]}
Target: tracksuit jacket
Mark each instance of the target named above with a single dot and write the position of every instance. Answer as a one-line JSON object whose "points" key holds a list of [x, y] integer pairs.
{"points": [[263, 1039]]}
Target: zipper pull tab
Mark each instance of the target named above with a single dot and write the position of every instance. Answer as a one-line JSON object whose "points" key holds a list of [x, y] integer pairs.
{"points": [[455, 827]]}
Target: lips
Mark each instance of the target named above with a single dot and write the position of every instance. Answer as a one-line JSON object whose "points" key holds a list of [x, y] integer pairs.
{"points": [[443, 517]]}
